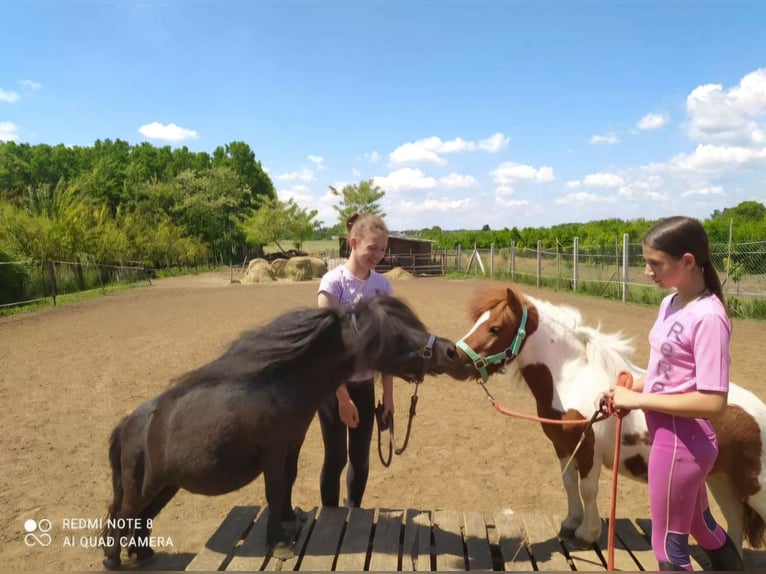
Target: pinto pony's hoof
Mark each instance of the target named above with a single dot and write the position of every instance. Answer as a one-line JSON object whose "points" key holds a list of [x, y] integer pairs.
{"points": [[282, 551], [112, 563]]}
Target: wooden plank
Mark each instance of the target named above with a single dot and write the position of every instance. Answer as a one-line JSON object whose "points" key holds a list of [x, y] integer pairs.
{"points": [[635, 542], [512, 542], [220, 547], [385, 545], [584, 558], [476, 542], [448, 540], [623, 560], [356, 541], [544, 545], [274, 564], [698, 559], [416, 551], [324, 540], [252, 553]]}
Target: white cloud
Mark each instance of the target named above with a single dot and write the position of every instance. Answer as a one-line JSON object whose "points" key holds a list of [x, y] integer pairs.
{"points": [[430, 150], [601, 179], [303, 175], [318, 161], [501, 201], [718, 158], [31, 85], [573, 184], [734, 116], [581, 197], [608, 139], [9, 97], [458, 180], [504, 190], [652, 122], [8, 132], [704, 191], [372, 156], [355, 172], [405, 178], [169, 132], [509, 172], [435, 205], [298, 193]]}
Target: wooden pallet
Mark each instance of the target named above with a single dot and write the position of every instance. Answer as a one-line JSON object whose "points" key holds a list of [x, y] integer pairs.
{"points": [[409, 540]]}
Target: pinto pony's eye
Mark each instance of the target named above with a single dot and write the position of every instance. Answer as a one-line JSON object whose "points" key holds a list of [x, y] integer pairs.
{"points": [[495, 330]]}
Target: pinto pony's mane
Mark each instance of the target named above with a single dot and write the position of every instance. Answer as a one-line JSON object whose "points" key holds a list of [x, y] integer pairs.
{"points": [[610, 351]]}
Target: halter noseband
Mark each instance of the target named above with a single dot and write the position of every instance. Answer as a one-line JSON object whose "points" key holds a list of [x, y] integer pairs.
{"points": [[481, 363]]}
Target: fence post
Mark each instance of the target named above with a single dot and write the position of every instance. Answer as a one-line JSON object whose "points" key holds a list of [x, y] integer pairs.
{"points": [[625, 267], [458, 259], [539, 261], [575, 256], [492, 261], [54, 287], [512, 262], [728, 256]]}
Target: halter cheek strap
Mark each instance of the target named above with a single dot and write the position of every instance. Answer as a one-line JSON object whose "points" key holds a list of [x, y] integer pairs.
{"points": [[481, 363]]}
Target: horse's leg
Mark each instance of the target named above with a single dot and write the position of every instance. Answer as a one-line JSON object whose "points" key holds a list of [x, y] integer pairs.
{"points": [[731, 506], [574, 517], [291, 520], [276, 489], [144, 552], [590, 529], [111, 534]]}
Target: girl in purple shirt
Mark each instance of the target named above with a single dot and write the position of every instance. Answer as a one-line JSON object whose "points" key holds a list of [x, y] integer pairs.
{"points": [[686, 383], [347, 417]]}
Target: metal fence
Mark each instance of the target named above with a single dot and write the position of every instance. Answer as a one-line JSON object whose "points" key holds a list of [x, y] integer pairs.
{"points": [[27, 282], [615, 271]]}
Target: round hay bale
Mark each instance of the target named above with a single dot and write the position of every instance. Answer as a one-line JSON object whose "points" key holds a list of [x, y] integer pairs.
{"points": [[259, 271], [299, 269], [397, 273], [318, 267], [278, 267]]}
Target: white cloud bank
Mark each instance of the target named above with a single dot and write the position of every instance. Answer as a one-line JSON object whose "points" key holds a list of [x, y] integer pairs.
{"points": [[167, 132]]}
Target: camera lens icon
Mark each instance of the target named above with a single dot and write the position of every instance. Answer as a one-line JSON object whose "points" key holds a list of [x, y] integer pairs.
{"points": [[37, 532]]}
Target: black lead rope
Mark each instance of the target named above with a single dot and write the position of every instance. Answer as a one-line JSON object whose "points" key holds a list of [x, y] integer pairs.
{"points": [[388, 425]]}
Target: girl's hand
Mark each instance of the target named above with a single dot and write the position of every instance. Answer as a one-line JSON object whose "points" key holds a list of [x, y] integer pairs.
{"points": [[624, 398], [388, 405], [348, 413]]}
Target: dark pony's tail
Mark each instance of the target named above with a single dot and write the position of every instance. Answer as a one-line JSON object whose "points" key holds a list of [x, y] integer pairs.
{"points": [[115, 454], [754, 528]]}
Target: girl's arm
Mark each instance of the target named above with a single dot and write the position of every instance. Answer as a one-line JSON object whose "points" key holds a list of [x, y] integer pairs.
{"points": [[694, 404]]}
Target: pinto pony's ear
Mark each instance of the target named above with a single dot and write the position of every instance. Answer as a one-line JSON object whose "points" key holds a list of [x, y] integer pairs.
{"points": [[515, 301]]}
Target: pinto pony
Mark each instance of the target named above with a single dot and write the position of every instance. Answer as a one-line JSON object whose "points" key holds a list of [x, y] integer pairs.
{"points": [[246, 413], [568, 366]]}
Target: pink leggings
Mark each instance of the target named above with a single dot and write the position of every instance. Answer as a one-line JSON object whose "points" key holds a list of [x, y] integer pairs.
{"points": [[683, 452]]}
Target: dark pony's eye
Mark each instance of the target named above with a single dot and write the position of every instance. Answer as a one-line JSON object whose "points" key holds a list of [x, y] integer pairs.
{"points": [[494, 330]]}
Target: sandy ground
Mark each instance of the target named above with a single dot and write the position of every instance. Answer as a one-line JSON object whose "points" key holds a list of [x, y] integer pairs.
{"points": [[68, 374]]}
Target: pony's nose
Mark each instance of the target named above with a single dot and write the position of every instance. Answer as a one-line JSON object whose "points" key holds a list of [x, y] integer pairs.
{"points": [[452, 352]]}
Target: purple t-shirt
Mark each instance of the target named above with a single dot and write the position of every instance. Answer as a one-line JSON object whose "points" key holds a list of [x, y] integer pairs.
{"points": [[339, 283], [689, 348]]}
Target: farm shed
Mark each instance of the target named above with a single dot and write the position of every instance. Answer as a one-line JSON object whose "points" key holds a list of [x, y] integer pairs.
{"points": [[411, 253]]}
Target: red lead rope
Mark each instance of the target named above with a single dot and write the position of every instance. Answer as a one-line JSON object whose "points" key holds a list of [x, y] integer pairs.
{"points": [[624, 379]]}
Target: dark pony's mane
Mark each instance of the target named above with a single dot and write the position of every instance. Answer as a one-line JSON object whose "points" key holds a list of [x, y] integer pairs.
{"points": [[383, 318], [280, 344]]}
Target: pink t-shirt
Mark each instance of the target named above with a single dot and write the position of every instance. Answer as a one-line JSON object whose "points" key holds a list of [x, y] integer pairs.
{"points": [[689, 348], [342, 285]]}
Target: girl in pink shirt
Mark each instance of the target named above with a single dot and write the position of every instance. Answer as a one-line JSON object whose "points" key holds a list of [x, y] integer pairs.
{"points": [[686, 383]]}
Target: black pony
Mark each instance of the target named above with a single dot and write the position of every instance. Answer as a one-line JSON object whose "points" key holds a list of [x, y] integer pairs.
{"points": [[219, 427]]}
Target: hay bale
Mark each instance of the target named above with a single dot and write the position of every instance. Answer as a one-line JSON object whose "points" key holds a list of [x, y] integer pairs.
{"points": [[278, 267], [397, 273], [258, 271], [305, 268]]}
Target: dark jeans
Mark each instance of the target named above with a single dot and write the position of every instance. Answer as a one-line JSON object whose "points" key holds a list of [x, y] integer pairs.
{"points": [[343, 443]]}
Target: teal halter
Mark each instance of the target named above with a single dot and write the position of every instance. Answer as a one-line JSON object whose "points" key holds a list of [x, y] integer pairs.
{"points": [[481, 363]]}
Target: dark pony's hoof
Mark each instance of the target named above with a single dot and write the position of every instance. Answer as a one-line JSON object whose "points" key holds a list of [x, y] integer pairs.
{"points": [[282, 551], [144, 554], [112, 563]]}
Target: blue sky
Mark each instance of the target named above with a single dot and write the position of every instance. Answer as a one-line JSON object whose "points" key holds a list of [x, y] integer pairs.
{"points": [[465, 112]]}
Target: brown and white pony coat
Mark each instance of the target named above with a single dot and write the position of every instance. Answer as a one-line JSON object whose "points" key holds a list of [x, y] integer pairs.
{"points": [[568, 366]]}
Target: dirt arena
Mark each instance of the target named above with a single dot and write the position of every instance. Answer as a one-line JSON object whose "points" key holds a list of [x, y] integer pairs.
{"points": [[68, 374]]}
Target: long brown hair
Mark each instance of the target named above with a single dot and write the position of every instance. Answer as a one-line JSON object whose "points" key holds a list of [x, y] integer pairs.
{"points": [[680, 234]]}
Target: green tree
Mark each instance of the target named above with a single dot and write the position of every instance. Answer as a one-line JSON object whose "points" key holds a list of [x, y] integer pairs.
{"points": [[359, 197]]}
